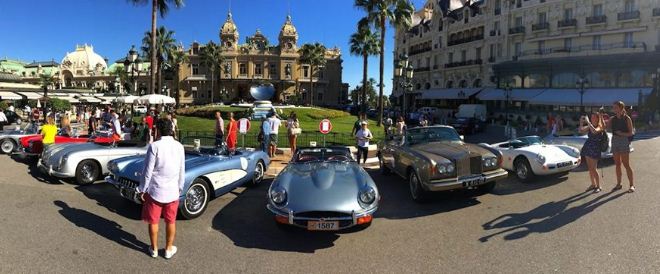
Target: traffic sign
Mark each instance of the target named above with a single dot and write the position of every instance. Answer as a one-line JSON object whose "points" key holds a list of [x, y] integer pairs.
{"points": [[243, 125], [325, 126]]}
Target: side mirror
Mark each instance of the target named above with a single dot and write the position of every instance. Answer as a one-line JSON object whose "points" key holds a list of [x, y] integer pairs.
{"points": [[462, 137]]}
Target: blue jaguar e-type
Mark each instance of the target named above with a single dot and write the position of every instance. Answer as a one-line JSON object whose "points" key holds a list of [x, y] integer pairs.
{"points": [[210, 172]]}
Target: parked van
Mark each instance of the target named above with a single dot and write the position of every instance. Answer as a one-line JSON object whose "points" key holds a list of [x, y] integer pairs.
{"points": [[472, 111]]}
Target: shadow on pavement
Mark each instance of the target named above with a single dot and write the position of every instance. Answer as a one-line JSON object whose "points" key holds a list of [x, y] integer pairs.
{"points": [[247, 222], [108, 196], [511, 185], [101, 226], [34, 171], [551, 216]]}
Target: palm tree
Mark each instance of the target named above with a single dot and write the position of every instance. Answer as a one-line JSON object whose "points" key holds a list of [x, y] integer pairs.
{"points": [[46, 80], [212, 59], [399, 14], [364, 43], [157, 7], [314, 56], [165, 44], [175, 59]]}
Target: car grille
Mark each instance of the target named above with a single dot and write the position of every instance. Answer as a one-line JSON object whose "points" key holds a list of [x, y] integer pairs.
{"points": [[127, 183], [475, 165], [322, 214]]}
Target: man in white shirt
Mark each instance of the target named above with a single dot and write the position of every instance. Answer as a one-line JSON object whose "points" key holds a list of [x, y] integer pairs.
{"points": [[11, 108], [161, 185], [275, 124], [363, 137], [116, 126], [265, 132], [3, 119]]}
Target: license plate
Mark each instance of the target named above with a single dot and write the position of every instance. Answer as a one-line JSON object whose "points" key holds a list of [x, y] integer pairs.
{"points": [[473, 182], [564, 164], [322, 225]]}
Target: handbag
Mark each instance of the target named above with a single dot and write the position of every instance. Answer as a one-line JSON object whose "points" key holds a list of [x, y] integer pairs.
{"points": [[296, 131], [604, 142]]}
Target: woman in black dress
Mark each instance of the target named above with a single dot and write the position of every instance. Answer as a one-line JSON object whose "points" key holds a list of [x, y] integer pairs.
{"points": [[622, 130], [592, 147]]}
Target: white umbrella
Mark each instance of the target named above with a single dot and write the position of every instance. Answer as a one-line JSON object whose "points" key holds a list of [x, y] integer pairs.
{"points": [[155, 99], [127, 99], [38, 103]]}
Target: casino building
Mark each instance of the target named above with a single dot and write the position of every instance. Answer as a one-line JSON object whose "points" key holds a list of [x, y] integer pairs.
{"points": [[537, 55]]}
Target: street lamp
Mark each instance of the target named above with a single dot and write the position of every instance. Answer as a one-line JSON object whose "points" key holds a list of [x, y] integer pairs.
{"points": [[507, 96], [132, 60], [582, 83], [404, 71]]}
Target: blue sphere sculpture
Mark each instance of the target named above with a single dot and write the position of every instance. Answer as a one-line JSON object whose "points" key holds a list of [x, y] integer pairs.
{"points": [[262, 91]]}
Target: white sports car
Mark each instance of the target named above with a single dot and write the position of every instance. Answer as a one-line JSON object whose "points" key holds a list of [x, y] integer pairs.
{"points": [[529, 156], [86, 162]]}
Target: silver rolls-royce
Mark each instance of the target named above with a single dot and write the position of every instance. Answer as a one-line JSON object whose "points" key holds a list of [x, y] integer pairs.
{"points": [[85, 162], [436, 159]]}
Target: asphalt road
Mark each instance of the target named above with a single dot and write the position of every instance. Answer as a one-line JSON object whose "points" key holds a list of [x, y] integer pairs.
{"points": [[548, 226]]}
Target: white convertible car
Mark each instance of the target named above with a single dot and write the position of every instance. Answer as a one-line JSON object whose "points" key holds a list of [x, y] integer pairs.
{"points": [[529, 156], [86, 162]]}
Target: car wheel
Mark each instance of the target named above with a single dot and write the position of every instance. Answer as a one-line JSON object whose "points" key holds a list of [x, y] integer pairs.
{"points": [[383, 168], [488, 187], [7, 146], [417, 193], [259, 171], [523, 170], [196, 199], [87, 172]]}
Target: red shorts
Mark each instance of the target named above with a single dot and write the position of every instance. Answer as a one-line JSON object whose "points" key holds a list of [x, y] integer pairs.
{"points": [[153, 210]]}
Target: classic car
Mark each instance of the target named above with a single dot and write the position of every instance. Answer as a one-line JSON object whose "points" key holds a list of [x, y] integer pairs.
{"points": [[9, 139], [529, 156], [32, 145], [436, 159], [210, 173], [86, 162], [468, 125], [323, 189], [575, 140], [12, 118]]}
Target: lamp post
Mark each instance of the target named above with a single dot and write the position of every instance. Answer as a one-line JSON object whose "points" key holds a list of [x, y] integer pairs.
{"points": [[507, 97], [582, 83], [133, 61], [404, 71]]}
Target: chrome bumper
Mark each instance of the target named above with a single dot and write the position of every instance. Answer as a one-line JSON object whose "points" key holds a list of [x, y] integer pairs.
{"points": [[350, 221], [128, 193], [459, 183], [50, 171]]}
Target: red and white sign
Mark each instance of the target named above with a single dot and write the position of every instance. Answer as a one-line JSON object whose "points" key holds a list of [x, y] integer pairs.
{"points": [[325, 126], [243, 125]]}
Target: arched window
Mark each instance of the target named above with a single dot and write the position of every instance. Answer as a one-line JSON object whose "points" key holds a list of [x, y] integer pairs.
{"points": [[537, 81], [462, 84], [427, 86], [418, 86], [564, 80], [476, 83], [450, 84]]}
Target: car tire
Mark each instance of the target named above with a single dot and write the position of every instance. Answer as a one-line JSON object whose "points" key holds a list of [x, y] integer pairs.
{"points": [[523, 170], [87, 172], [488, 187], [383, 169], [196, 200], [417, 193], [7, 146], [259, 172]]}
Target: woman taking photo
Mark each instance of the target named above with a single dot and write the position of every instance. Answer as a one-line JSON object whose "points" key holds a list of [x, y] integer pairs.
{"points": [[293, 130], [622, 132], [592, 147]]}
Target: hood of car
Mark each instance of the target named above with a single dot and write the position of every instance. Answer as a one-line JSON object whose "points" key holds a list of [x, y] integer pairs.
{"points": [[324, 186], [550, 152], [440, 151], [131, 167]]}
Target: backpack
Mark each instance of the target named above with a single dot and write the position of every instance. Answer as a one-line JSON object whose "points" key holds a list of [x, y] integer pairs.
{"points": [[605, 142]]}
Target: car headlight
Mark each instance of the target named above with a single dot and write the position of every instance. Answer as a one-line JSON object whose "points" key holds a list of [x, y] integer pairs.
{"points": [[367, 196], [278, 196], [540, 159], [64, 159], [490, 162], [442, 169], [113, 167], [450, 168]]}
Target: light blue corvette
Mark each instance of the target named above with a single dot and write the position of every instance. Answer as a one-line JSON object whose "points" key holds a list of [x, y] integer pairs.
{"points": [[210, 173]]}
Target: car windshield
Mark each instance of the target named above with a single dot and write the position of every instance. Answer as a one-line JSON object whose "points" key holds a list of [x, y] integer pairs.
{"points": [[321, 155], [531, 140], [212, 151], [431, 134]]}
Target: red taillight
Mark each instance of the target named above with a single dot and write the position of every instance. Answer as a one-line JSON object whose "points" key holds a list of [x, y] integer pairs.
{"points": [[281, 219], [434, 169], [364, 220]]}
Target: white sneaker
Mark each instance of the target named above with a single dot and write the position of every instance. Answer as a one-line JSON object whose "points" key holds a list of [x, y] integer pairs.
{"points": [[153, 253], [170, 253]]}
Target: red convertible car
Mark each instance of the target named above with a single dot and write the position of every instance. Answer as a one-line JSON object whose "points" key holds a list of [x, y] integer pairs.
{"points": [[32, 145]]}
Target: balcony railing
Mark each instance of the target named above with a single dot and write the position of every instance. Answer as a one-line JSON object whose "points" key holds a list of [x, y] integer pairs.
{"points": [[465, 40], [629, 15], [516, 30], [586, 48], [656, 12], [421, 69], [596, 19], [541, 26], [464, 63], [567, 23], [418, 50]]}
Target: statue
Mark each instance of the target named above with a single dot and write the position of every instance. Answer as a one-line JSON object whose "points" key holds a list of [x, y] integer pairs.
{"points": [[287, 70], [227, 68]]}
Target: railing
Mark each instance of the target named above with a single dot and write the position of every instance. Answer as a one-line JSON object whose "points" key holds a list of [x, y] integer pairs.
{"points": [[419, 50], [207, 138], [656, 12], [628, 15], [465, 63], [465, 40], [567, 23], [516, 30], [589, 47], [596, 19], [421, 69], [540, 26]]}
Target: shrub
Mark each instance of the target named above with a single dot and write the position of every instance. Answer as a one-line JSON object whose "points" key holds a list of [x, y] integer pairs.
{"points": [[4, 105]]}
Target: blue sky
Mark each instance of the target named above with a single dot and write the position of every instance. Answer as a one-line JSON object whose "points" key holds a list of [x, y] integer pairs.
{"points": [[44, 29]]}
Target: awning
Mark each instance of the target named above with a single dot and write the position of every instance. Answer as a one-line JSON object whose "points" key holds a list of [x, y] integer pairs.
{"points": [[89, 99], [495, 94], [605, 97], [448, 93], [19, 86], [68, 98], [8, 95], [31, 95], [196, 78], [107, 98], [560, 97]]}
